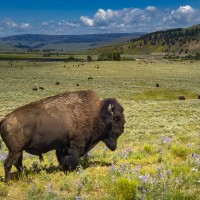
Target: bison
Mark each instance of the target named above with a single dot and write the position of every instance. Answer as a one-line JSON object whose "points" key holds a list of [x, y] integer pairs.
{"points": [[181, 98], [71, 123]]}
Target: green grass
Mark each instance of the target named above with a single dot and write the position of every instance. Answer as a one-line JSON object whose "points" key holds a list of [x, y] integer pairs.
{"points": [[158, 156]]}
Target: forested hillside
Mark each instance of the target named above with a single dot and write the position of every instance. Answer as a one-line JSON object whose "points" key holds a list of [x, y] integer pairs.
{"points": [[180, 41]]}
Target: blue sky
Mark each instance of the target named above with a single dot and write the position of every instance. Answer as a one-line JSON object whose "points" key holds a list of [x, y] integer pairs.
{"points": [[95, 16]]}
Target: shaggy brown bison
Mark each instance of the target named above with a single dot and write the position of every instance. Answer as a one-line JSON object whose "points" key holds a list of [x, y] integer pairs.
{"points": [[72, 123], [181, 98]]}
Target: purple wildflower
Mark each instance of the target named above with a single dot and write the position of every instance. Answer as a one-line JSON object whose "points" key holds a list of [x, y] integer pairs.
{"points": [[51, 187], [3, 156], [128, 150], [33, 187], [161, 175], [166, 139], [159, 169], [144, 178], [123, 168], [154, 180], [169, 172], [77, 198], [112, 166]]}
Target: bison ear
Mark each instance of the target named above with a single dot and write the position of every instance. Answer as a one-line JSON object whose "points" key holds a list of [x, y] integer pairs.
{"points": [[110, 109]]}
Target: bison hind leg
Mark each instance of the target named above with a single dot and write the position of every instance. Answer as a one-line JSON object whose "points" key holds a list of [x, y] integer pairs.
{"points": [[12, 159], [18, 163]]}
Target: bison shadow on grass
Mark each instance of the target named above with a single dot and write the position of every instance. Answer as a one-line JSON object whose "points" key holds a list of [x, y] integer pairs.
{"points": [[71, 123], [36, 168]]}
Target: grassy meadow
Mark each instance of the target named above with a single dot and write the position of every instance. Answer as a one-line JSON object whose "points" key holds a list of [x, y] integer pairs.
{"points": [[158, 156]]}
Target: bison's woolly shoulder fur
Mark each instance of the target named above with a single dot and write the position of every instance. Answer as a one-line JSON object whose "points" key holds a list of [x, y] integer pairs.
{"points": [[68, 97]]}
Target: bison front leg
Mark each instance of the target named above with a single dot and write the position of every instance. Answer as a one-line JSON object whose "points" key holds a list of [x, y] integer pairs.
{"points": [[68, 161], [69, 157]]}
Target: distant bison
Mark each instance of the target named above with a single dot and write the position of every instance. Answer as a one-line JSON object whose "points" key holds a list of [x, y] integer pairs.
{"points": [[41, 88], [157, 85], [72, 123], [181, 98], [34, 88]]}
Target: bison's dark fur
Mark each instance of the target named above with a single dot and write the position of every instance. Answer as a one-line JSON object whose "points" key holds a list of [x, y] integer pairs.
{"points": [[181, 98], [72, 123]]}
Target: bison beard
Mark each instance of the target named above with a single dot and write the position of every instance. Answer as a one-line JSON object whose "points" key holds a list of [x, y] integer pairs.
{"points": [[72, 123]]}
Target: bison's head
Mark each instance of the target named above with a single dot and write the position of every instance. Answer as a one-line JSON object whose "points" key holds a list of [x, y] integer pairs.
{"points": [[112, 114]]}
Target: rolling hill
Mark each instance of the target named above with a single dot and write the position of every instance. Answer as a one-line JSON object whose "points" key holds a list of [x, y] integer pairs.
{"points": [[179, 41], [63, 42]]}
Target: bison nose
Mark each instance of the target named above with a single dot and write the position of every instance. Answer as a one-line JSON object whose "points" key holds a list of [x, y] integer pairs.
{"points": [[122, 129]]}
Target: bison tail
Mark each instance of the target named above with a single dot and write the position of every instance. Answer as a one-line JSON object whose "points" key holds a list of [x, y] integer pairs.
{"points": [[1, 122]]}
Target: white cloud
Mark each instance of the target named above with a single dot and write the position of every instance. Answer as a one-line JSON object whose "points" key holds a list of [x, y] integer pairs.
{"points": [[49, 23], [64, 23], [183, 16], [24, 25], [58, 27], [87, 21], [9, 24], [185, 9], [127, 19], [148, 19], [151, 8], [135, 19]]}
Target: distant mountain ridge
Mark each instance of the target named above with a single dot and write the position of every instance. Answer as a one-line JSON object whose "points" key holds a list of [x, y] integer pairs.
{"points": [[64, 42]]}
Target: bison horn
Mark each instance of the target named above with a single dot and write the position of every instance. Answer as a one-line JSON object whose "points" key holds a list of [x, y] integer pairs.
{"points": [[110, 109]]}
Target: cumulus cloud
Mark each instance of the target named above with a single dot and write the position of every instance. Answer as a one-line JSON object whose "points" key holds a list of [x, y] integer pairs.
{"points": [[151, 8], [87, 21], [147, 20], [183, 16], [9, 24], [127, 19], [185, 9]]}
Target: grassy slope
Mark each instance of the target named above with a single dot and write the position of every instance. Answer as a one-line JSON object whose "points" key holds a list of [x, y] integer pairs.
{"points": [[158, 155], [160, 42]]}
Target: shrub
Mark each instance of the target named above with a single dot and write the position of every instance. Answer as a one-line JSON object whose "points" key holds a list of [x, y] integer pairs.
{"points": [[126, 189], [148, 148], [180, 151]]}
